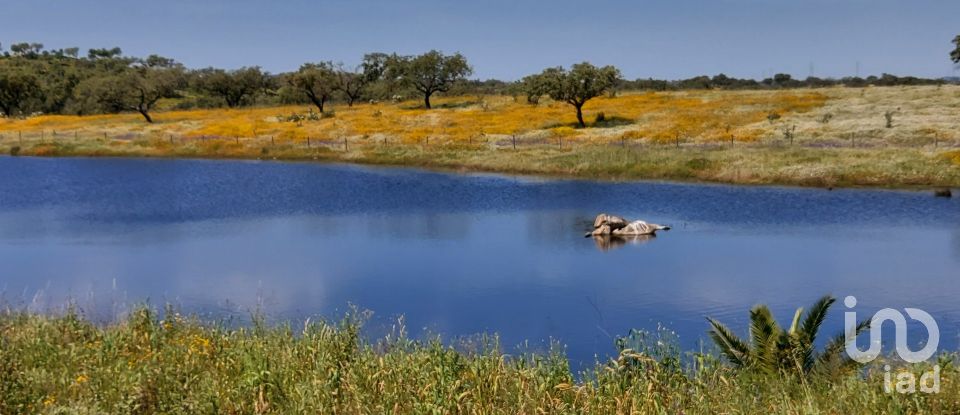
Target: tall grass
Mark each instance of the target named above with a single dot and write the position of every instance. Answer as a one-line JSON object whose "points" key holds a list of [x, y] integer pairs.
{"points": [[179, 364]]}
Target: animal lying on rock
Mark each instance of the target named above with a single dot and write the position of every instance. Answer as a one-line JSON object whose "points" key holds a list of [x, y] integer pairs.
{"points": [[614, 225]]}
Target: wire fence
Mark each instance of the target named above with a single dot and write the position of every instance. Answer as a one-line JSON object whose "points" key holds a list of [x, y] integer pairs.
{"points": [[516, 142]]}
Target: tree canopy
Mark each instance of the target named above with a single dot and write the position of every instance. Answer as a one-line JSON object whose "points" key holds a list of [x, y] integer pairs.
{"points": [[316, 81], [17, 88], [575, 87], [428, 73], [955, 54], [235, 88], [135, 88]]}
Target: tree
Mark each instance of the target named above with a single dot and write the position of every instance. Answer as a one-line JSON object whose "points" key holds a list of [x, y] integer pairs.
{"points": [[236, 88], [955, 55], [136, 88], [575, 87], [317, 81], [104, 53], [30, 50], [429, 73], [351, 83], [773, 350], [17, 88]]}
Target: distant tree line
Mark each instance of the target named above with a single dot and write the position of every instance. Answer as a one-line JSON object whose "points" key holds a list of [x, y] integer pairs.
{"points": [[62, 81], [781, 80], [34, 80]]}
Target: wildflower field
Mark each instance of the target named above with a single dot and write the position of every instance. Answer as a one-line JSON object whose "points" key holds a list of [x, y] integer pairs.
{"points": [[877, 136]]}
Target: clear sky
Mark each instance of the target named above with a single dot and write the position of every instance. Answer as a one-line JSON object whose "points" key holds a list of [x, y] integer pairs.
{"points": [[509, 39]]}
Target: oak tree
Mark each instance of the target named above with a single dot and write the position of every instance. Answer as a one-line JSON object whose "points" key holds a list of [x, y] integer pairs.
{"points": [[429, 73], [317, 81], [575, 87]]}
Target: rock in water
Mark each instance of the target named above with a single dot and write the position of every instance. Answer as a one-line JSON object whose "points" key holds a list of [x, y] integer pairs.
{"points": [[943, 193], [614, 222], [639, 227]]}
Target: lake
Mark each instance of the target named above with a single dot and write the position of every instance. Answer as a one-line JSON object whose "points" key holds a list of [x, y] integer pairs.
{"points": [[459, 254]]}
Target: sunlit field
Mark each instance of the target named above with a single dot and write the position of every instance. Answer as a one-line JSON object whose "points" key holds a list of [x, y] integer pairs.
{"points": [[893, 136]]}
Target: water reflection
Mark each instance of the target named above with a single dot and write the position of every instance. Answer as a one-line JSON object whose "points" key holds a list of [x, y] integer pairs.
{"points": [[608, 242]]}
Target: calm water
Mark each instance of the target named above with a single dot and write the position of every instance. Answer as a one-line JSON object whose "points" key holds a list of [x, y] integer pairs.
{"points": [[461, 254]]}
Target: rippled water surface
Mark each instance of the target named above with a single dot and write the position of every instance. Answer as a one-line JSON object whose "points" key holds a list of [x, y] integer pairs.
{"points": [[461, 254]]}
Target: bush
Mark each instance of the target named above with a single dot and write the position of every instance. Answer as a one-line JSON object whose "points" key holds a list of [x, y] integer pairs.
{"points": [[15, 151], [601, 117]]}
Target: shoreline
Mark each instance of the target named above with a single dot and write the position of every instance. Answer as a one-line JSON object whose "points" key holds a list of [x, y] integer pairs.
{"points": [[422, 161]]}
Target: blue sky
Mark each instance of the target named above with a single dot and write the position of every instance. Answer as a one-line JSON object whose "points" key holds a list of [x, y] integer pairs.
{"points": [[509, 39]]}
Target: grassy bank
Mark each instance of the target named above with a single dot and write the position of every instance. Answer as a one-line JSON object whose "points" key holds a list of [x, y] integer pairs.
{"points": [[803, 166], [830, 137], [180, 365]]}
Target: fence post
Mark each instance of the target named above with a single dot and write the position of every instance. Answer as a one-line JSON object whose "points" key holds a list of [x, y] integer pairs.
{"points": [[237, 139], [308, 141], [76, 135], [345, 146], [20, 137], [514, 141], [171, 139], [271, 140]]}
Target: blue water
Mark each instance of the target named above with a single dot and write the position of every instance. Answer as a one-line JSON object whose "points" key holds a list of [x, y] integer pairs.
{"points": [[459, 254]]}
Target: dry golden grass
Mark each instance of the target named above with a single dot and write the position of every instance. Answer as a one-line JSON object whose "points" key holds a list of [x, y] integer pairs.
{"points": [[839, 135], [707, 115]]}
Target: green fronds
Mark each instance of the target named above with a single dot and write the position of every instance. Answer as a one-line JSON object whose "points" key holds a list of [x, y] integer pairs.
{"points": [[732, 347], [816, 315], [774, 350]]}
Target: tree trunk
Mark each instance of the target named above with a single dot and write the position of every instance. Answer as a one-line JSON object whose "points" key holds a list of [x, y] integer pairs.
{"points": [[318, 103], [426, 101], [146, 116], [580, 116]]}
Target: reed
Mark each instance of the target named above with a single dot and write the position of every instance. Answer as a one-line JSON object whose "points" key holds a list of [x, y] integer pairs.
{"points": [[179, 364]]}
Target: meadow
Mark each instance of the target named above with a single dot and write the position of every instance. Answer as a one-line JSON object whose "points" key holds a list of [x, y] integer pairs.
{"points": [[177, 364], [875, 136]]}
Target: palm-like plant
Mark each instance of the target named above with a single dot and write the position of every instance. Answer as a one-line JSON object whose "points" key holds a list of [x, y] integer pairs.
{"points": [[777, 351]]}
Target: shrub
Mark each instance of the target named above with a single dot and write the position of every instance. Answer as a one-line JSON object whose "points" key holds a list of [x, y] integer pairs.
{"points": [[601, 117], [15, 151], [889, 116]]}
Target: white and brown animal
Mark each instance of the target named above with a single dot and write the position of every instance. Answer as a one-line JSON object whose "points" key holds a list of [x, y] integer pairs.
{"points": [[606, 224]]}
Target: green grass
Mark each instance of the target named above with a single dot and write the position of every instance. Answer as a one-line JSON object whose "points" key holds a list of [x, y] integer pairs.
{"points": [[740, 164], [65, 364]]}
